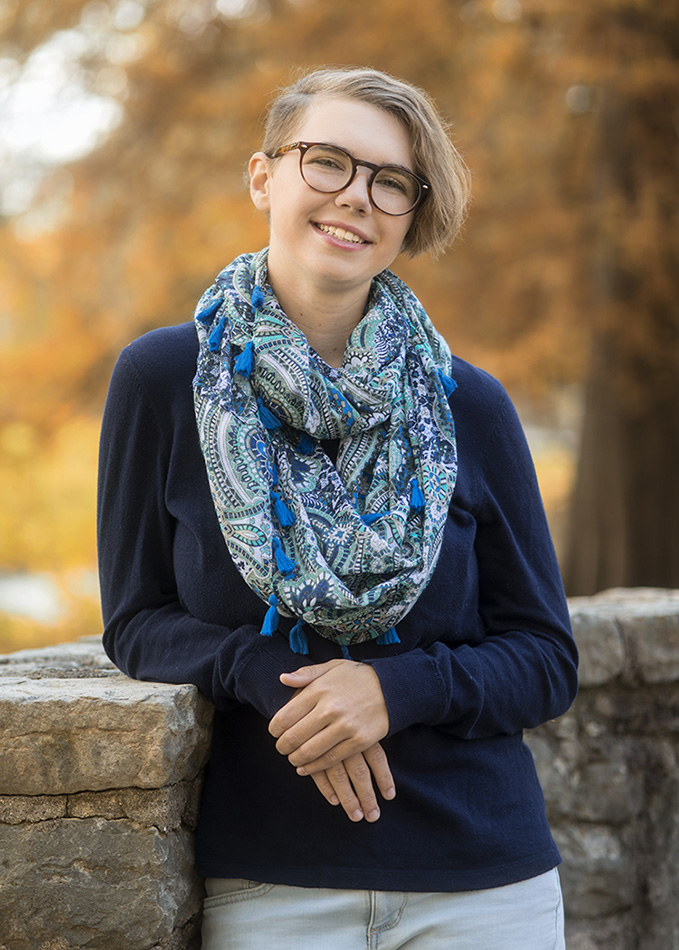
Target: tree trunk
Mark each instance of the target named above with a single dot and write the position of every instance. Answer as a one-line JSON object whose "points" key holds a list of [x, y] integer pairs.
{"points": [[624, 521], [625, 508]]}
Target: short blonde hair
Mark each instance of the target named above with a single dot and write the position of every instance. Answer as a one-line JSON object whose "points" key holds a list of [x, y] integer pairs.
{"points": [[439, 218]]}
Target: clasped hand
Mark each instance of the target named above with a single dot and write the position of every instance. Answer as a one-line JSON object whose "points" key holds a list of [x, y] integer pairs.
{"points": [[331, 729]]}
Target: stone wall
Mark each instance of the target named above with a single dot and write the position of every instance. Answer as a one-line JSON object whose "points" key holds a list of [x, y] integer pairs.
{"points": [[99, 787], [610, 771], [100, 778]]}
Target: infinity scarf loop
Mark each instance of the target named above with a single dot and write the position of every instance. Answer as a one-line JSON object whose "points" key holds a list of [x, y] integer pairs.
{"points": [[344, 548]]}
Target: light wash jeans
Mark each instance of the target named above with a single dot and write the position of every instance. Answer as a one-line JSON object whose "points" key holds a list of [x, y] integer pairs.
{"points": [[246, 915]]}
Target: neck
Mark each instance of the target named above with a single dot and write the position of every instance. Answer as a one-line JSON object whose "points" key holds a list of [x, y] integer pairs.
{"points": [[327, 320]]}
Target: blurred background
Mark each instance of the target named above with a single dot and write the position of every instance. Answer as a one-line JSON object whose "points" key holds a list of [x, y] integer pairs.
{"points": [[125, 128]]}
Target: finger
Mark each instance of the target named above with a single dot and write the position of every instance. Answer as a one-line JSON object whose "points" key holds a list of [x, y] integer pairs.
{"points": [[374, 755], [307, 674], [324, 785], [323, 751], [310, 738], [361, 779], [293, 712], [339, 779], [377, 760], [340, 739]]}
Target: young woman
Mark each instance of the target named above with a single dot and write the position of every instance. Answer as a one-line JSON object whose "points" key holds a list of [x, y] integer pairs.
{"points": [[314, 512]]}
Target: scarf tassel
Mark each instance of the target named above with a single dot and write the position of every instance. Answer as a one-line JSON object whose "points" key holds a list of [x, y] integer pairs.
{"points": [[283, 562], [246, 361], [372, 516], [206, 314], [390, 636], [448, 383], [215, 338], [270, 624], [286, 518], [306, 444], [298, 641], [269, 419], [417, 499]]}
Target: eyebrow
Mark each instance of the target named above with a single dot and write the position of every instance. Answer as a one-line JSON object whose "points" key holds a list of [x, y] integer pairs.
{"points": [[343, 148]]}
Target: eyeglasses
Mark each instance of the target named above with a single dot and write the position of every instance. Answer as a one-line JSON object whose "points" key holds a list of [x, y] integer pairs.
{"points": [[329, 169]]}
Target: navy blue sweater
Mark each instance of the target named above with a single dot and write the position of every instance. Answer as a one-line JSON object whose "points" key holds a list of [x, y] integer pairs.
{"points": [[485, 652]]}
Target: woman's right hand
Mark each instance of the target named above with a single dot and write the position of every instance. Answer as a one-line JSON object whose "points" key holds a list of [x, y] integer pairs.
{"points": [[351, 783]]}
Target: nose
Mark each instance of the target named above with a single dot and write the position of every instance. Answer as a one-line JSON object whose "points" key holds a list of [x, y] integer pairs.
{"points": [[357, 193]]}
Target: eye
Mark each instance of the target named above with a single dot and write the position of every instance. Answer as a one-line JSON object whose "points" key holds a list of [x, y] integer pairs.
{"points": [[395, 181], [323, 161], [326, 158], [393, 184]]}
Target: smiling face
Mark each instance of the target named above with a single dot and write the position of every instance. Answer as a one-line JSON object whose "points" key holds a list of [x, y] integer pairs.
{"points": [[323, 244]]}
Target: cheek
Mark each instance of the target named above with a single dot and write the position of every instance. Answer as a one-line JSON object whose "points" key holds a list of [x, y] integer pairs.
{"points": [[400, 235]]}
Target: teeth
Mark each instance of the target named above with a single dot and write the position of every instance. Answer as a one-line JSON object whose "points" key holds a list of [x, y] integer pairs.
{"points": [[341, 234]]}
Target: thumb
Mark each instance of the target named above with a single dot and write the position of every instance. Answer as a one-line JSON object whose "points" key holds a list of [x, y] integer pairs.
{"points": [[306, 674], [301, 677]]}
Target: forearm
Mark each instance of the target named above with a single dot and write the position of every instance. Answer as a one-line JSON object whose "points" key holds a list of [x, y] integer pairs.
{"points": [[501, 685], [229, 666]]}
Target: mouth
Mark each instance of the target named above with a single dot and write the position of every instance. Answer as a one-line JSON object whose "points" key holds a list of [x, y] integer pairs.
{"points": [[341, 234]]}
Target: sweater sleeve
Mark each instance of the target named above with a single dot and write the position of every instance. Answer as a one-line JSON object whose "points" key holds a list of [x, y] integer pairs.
{"points": [[148, 632], [523, 670]]}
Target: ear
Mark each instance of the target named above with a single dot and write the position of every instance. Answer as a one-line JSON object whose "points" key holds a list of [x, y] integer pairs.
{"points": [[260, 181]]}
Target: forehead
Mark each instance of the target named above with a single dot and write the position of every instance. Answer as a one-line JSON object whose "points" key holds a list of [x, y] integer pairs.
{"points": [[359, 127]]}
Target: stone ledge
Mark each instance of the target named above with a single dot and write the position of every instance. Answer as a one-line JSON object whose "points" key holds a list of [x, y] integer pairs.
{"points": [[84, 657], [70, 735], [606, 631], [70, 722]]}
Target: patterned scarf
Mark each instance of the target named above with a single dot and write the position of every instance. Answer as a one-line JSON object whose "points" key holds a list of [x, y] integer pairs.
{"points": [[346, 548]]}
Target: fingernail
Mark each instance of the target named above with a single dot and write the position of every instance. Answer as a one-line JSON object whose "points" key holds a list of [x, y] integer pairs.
{"points": [[374, 815], [356, 815], [390, 793], [301, 771]]}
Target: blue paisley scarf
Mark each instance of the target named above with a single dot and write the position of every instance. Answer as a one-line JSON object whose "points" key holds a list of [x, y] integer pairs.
{"points": [[345, 548]]}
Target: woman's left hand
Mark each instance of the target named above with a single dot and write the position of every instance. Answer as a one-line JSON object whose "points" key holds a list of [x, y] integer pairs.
{"points": [[352, 783], [337, 711]]}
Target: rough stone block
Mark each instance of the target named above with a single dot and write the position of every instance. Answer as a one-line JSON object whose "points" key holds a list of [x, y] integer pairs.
{"points": [[598, 874], [654, 654], [556, 768], [599, 780], [609, 933], [69, 735], [164, 808], [657, 650], [639, 710], [94, 883], [661, 837], [86, 655], [607, 789], [17, 808], [599, 640]]}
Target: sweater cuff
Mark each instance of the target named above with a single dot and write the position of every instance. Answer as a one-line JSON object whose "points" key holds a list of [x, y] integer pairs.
{"points": [[258, 682], [412, 688]]}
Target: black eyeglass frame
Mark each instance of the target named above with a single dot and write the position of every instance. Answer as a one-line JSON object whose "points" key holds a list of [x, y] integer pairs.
{"points": [[423, 184]]}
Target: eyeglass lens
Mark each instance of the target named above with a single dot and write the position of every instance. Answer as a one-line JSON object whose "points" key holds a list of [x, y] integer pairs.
{"points": [[328, 169]]}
